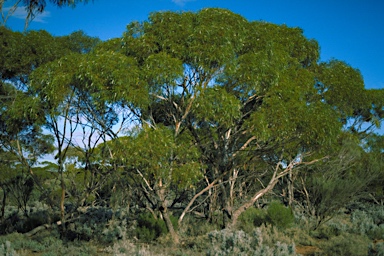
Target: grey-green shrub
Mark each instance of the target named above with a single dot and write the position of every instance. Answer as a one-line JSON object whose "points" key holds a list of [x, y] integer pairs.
{"points": [[263, 241], [227, 242], [7, 250], [377, 249], [364, 224], [332, 228], [347, 244], [19, 241], [98, 224]]}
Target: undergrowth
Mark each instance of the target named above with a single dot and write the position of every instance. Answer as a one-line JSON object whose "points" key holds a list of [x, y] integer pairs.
{"points": [[360, 231]]}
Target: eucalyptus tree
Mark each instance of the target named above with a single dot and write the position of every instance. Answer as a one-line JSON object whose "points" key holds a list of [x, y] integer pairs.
{"points": [[163, 165], [21, 121], [253, 95], [220, 107], [20, 54], [81, 95], [22, 114]]}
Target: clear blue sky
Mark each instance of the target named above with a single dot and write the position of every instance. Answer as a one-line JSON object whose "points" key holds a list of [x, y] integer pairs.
{"points": [[348, 30]]}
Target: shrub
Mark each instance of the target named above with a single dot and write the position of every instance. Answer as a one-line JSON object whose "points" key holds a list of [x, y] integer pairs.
{"points": [[192, 227], [276, 214], [99, 224], [335, 227], [227, 242], [300, 236], [265, 240], [73, 249], [364, 224], [347, 244], [126, 247], [251, 218], [7, 250], [271, 235], [35, 219], [149, 228], [19, 241], [279, 215], [377, 249]]}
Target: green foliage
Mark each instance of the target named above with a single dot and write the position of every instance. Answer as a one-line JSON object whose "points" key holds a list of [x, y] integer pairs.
{"points": [[79, 42], [280, 215], [328, 231], [210, 105], [276, 214], [172, 160], [226, 242], [149, 228], [193, 231], [345, 87], [251, 218], [247, 92]]}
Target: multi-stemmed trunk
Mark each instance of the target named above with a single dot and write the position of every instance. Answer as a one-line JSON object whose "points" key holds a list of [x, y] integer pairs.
{"points": [[278, 173]]}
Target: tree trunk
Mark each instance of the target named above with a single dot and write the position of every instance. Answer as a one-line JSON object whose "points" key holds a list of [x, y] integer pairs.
{"points": [[236, 214], [208, 187], [62, 198], [62, 208], [291, 188], [168, 223], [274, 179], [3, 205], [165, 213]]}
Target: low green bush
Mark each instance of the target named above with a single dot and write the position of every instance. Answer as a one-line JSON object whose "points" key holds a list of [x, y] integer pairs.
{"points": [[251, 218], [276, 214], [192, 227], [280, 215], [149, 228]]}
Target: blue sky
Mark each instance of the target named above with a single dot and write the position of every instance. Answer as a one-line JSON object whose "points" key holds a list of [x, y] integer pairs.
{"points": [[348, 30]]}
